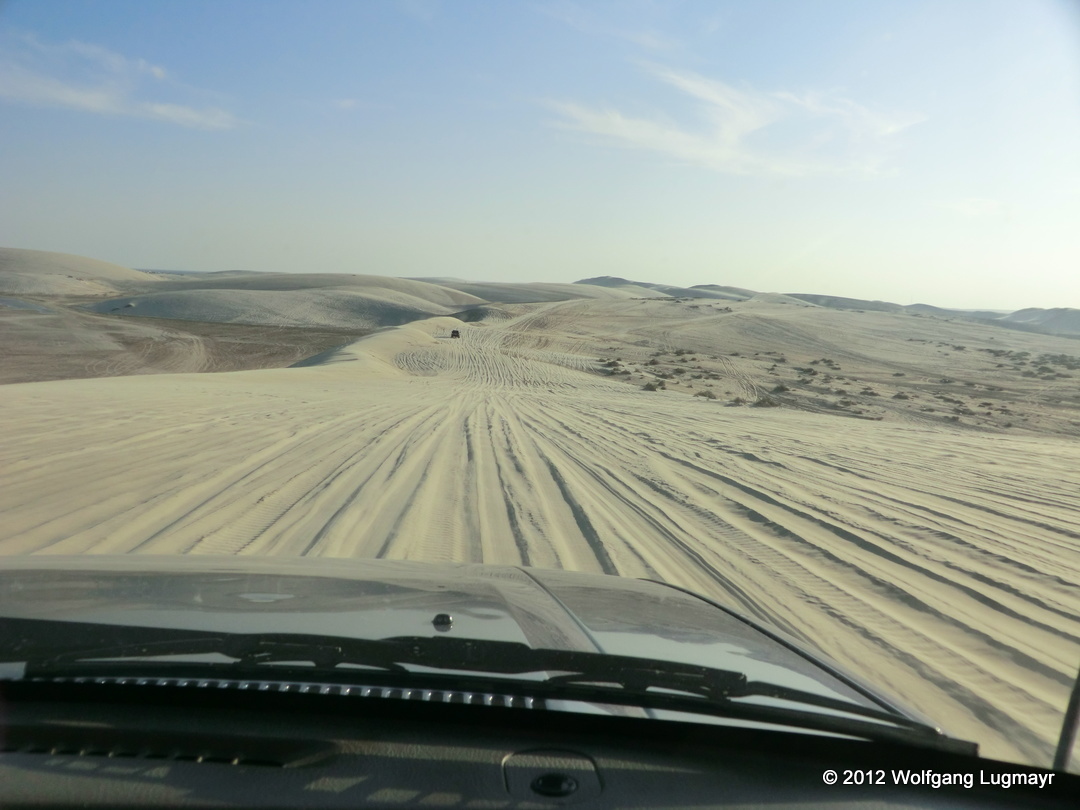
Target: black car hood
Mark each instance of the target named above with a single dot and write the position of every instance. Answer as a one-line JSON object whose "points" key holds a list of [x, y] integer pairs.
{"points": [[378, 599]]}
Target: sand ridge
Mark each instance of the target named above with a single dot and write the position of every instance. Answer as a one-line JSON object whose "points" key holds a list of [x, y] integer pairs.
{"points": [[37, 272], [896, 488], [939, 563]]}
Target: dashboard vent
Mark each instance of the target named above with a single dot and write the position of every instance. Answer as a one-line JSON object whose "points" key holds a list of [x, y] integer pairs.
{"points": [[307, 687]]}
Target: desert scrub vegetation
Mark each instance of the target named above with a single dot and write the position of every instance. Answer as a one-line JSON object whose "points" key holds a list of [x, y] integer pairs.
{"points": [[1066, 360], [705, 392]]}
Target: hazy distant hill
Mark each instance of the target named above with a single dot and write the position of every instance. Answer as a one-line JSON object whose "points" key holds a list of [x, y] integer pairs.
{"points": [[283, 282], [323, 307], [632, 289], [39, 272], [837, 302], [369, 301], [731, 293], [981, 314], [532, 292], [1056, 321], [646, 289]]}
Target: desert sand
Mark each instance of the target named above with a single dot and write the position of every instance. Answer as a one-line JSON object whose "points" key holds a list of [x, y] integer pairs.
{"points": [[903, 496]]}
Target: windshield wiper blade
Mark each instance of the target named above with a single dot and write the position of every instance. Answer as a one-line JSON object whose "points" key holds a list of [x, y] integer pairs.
{"points": [[763, 689], [462, 664], [101, 644], [247, 650], [632, 674]]}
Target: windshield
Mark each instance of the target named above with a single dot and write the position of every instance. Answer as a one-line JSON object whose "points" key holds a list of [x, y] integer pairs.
{"points": [[773, 302]]}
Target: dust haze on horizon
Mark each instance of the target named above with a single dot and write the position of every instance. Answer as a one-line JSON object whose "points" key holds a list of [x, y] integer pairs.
{"points": [[910, 152]]}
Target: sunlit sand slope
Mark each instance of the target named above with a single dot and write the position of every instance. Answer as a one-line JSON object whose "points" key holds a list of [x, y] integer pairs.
{"points": [[39, 272], [330, 307], [941, 563]]}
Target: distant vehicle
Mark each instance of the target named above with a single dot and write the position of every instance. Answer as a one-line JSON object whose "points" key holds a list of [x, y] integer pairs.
{"points": [[456, 333]]}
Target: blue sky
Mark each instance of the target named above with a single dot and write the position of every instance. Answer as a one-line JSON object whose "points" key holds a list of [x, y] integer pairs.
{"points": [[906, 151]]}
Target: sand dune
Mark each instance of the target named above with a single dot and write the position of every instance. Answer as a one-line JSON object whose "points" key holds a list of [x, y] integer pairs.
{"points": [[939, 560], [903, 496], [37, 272], [61, 343], [540, 292], [384, 286], [1057, 321], [321, 307], [644, 289]]}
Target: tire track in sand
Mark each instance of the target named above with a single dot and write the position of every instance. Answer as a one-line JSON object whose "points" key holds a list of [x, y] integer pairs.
{"points": [[942, 572]]}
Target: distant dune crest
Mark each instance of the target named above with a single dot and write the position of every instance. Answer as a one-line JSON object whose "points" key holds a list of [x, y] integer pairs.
{"points": [[1056, 321], [37, 272], [876, 479], [341, 300]]}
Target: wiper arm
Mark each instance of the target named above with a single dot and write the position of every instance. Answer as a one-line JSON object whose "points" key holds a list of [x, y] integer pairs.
{"points": [[583, 676], [763, 689], [246, 649], [72, 645], [631, 674]]}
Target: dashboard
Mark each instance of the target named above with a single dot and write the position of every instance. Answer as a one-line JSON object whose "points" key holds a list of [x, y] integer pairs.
{"points": [[118, 746]]}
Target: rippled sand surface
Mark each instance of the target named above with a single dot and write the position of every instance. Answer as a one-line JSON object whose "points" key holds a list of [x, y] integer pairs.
{"points": [[939, 559]]}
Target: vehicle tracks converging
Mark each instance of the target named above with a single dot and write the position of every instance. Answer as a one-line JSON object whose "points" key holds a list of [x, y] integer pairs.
{"points": [[945, 569]]}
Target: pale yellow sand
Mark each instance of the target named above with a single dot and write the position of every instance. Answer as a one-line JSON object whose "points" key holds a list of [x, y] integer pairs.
{"points": [[939, 560], [39, 272]]}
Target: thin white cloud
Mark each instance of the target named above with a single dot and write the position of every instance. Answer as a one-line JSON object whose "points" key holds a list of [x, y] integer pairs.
{"points": [[209, 118], [860, 121], [87, 77], [18, 84], [749, 131], [587, 22]]}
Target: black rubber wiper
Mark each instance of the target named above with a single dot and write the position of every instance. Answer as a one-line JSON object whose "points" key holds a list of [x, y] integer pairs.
{"points": [[85, 647], [92, 650], [322, 655]]}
